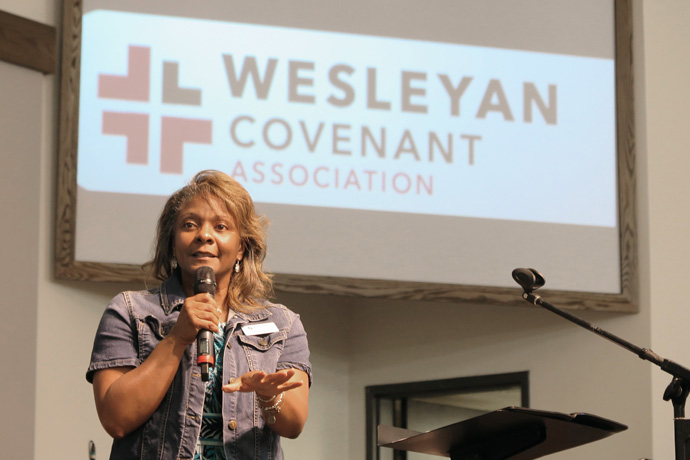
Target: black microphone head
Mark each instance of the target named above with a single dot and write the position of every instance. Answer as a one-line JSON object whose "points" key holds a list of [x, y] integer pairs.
{"points": [[528, 278], [205, 281]]}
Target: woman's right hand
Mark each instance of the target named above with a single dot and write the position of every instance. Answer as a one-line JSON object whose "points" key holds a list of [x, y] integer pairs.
{"points": [[198, 312]]}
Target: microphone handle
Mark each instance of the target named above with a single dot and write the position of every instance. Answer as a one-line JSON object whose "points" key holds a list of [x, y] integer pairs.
{"points": [[205, 281], [205, 353]]}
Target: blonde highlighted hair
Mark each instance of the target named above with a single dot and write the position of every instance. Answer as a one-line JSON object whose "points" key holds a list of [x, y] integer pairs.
{"points": [[250, 284]]}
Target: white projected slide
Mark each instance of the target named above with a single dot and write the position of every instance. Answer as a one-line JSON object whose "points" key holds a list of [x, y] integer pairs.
{"points": [[375, 157]]}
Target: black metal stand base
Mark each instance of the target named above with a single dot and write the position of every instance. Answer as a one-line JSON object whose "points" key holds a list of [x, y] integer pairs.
{"points": [[682, 428]]}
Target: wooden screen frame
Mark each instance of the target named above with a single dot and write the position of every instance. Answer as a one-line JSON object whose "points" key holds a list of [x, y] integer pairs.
{"points": [[66, 267]]}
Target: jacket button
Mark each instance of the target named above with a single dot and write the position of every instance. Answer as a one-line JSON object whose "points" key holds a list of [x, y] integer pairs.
{"points": [[232, 425], [262, 342]]}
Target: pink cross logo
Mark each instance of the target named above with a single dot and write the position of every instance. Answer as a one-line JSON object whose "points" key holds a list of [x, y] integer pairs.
{"points": [[135, 86]]}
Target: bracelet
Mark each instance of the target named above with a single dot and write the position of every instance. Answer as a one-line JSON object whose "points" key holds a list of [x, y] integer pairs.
{"points": [[276, 406], [271, 419], [265, 400]]}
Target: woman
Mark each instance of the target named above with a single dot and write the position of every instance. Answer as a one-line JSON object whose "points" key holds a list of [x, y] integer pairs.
{"points": [[147, 384]]}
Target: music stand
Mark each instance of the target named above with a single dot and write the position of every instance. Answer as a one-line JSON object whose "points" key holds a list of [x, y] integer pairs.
{"points": [[514, 433]]}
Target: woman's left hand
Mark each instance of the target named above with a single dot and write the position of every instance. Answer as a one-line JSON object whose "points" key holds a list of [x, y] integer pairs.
{"points": [[265, 385], [288, 419]]}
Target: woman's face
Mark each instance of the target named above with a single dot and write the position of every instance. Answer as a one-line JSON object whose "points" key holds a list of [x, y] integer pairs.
{"points": [[206, 235]]}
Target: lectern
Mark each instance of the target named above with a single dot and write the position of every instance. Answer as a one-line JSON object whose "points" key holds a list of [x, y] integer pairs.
{"points": [[514, 433]]}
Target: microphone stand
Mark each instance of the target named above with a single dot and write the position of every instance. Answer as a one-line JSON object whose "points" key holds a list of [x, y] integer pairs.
{"points": [[677, 391]]}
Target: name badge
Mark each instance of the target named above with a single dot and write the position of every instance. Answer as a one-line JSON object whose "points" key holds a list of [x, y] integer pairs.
{"points": [[259, 329]]}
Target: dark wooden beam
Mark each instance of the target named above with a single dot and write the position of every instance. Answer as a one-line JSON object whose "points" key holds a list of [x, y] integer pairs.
{"points": [[28, 43]]}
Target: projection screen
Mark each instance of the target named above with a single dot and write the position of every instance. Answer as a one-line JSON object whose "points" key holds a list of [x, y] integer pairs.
{"points": [[412, 149]]}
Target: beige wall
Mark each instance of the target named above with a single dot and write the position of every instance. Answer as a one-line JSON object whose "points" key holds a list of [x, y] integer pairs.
{"points": [[666, 161], [19, 189], [363, 342]]}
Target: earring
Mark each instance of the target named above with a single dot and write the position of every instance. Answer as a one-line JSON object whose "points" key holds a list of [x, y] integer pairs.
{"points": [[174, 263], [237, 266]]}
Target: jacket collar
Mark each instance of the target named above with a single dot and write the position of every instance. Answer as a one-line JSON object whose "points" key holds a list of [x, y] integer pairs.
{"points": [[258, 315], [172, 298], [172, 295]]}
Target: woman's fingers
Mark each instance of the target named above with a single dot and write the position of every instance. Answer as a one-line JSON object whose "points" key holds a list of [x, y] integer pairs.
{"points": [[198, 312], [203, 311], [264, 384], [246, 382]]}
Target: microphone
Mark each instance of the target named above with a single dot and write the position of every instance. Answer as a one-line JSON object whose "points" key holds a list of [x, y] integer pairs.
{"points": [[528, 278], [205, 281]]}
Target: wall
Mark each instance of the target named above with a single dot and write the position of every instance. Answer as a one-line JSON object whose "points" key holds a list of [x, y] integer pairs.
{"points": [[664, 137], [363, 342], [20, 189], [571, 369]]}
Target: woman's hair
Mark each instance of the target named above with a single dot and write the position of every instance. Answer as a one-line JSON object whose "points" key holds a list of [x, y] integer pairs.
{"points": [[250, 283]]}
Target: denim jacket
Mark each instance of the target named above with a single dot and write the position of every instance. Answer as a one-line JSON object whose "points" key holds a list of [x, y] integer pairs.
{"points": [[135, 322]]}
